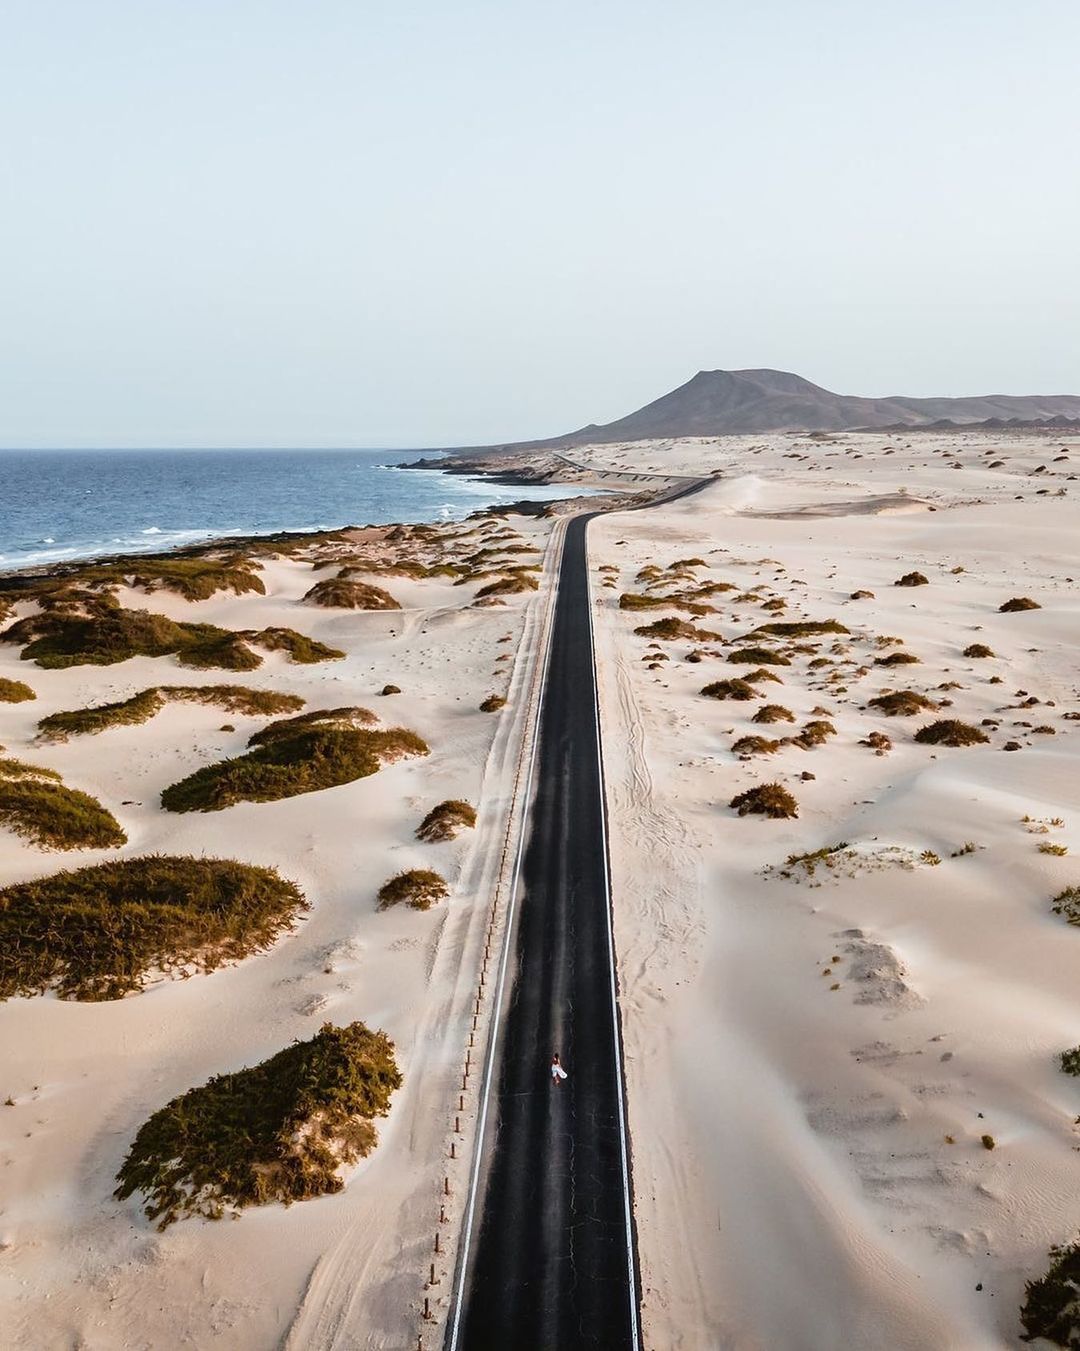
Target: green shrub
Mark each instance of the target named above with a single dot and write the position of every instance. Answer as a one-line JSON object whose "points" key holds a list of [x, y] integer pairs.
{"points": [[767, 799], [730, 689], [283, 766], [446, 820], [773, 713], [279, 1131], [950, 732], [141, 708], [762, 656], [14, 691], [342, 594], [96, 933], [1018, 603], [35, 804], [420, 888], [350, 716], [978, 650], [902, 703], [1051, 1305]]}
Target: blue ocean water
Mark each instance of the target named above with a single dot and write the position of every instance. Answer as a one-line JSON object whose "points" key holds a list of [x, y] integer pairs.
{"points": [[60, 504]]}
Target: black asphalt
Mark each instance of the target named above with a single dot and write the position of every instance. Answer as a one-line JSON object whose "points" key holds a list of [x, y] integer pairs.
{"points": [[549, 1264]]}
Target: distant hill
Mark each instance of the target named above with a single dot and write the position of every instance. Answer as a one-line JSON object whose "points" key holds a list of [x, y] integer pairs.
{"points": [[720, 403]]}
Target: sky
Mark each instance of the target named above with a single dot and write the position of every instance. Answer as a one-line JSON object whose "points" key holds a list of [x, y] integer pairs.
{"points": [[444, 222]]}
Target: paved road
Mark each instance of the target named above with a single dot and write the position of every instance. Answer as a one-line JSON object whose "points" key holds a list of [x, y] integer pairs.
{"points": [[551, 1261]]}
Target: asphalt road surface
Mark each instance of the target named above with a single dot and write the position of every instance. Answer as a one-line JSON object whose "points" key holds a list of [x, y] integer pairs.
{"points": [[552, 1261]]}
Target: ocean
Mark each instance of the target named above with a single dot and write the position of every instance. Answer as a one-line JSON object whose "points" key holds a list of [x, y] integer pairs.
{"points": [[62, 504]]}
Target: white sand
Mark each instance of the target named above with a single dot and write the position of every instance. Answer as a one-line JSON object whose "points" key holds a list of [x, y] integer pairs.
{"points": [[794, 1185], [76, 1267]]}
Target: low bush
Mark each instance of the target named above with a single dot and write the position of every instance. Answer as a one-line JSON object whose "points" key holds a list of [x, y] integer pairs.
{"points": [[284, 765], [1067, 904], [36, 804], [762, 656], [493, 703], [767, 799], [902, 703], [511, 585], [1070, 1061], [753, 677], [897, 659], [350, 716], [340, 593], [634, 600], [950, 732], [15, 692], [390, 689], [755, 745], [98, 932], [978, 650], [814, 733], [911, 579], [799, 628], [1018, 603], [861, 595], [141, 708], [773, 713], [671, 629], [419, 888], [878, 742], [279, 1131], [301, 649], [446, 820], [1051, 1304], [730, 689]]}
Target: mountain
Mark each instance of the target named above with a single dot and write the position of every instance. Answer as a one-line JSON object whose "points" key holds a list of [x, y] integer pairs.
{"points": [[720, 403]]}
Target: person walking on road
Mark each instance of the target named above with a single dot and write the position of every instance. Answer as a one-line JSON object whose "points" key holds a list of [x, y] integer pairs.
{"points": [[558, 1074]]}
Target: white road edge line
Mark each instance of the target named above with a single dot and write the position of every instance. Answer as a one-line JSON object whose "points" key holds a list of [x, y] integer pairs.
{"points": [[504, 961], [623, 1143]]}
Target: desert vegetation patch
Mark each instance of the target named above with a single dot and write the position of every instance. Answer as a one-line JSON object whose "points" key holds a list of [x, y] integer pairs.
{"points": [[279, 1131], [418, 888], [36, 804], [446, 821], [99, 932]]}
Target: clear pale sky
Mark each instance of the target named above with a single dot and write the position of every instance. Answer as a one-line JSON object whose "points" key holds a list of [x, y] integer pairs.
{"points": [[267, 222]]}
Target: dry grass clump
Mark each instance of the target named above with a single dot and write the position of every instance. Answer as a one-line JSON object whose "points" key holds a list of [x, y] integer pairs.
{"points": [[879, 742], [301, 649], [341, 593], [35, 804], [511, 585], [290, 759], [978, 650], [753, 677], [349, 716], [1070, 1061], [99, 932], [912, 579], [1018, 603], [755, 745], [861, 595], [950, 732], [800, 628], [902, 703], [814, 733], [897, 659], [763, 656], [766, 799], [141, 708], [279, 1131], [1051, 1305], [419, 888], [671, 628], [636, 600], [1067, 904], [493, 703], [446, 820], [730, 689], [15, 692], [773, 713]]}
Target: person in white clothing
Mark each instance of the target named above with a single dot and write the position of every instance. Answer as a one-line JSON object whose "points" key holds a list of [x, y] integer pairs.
{"points": [[557, 1071]]}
